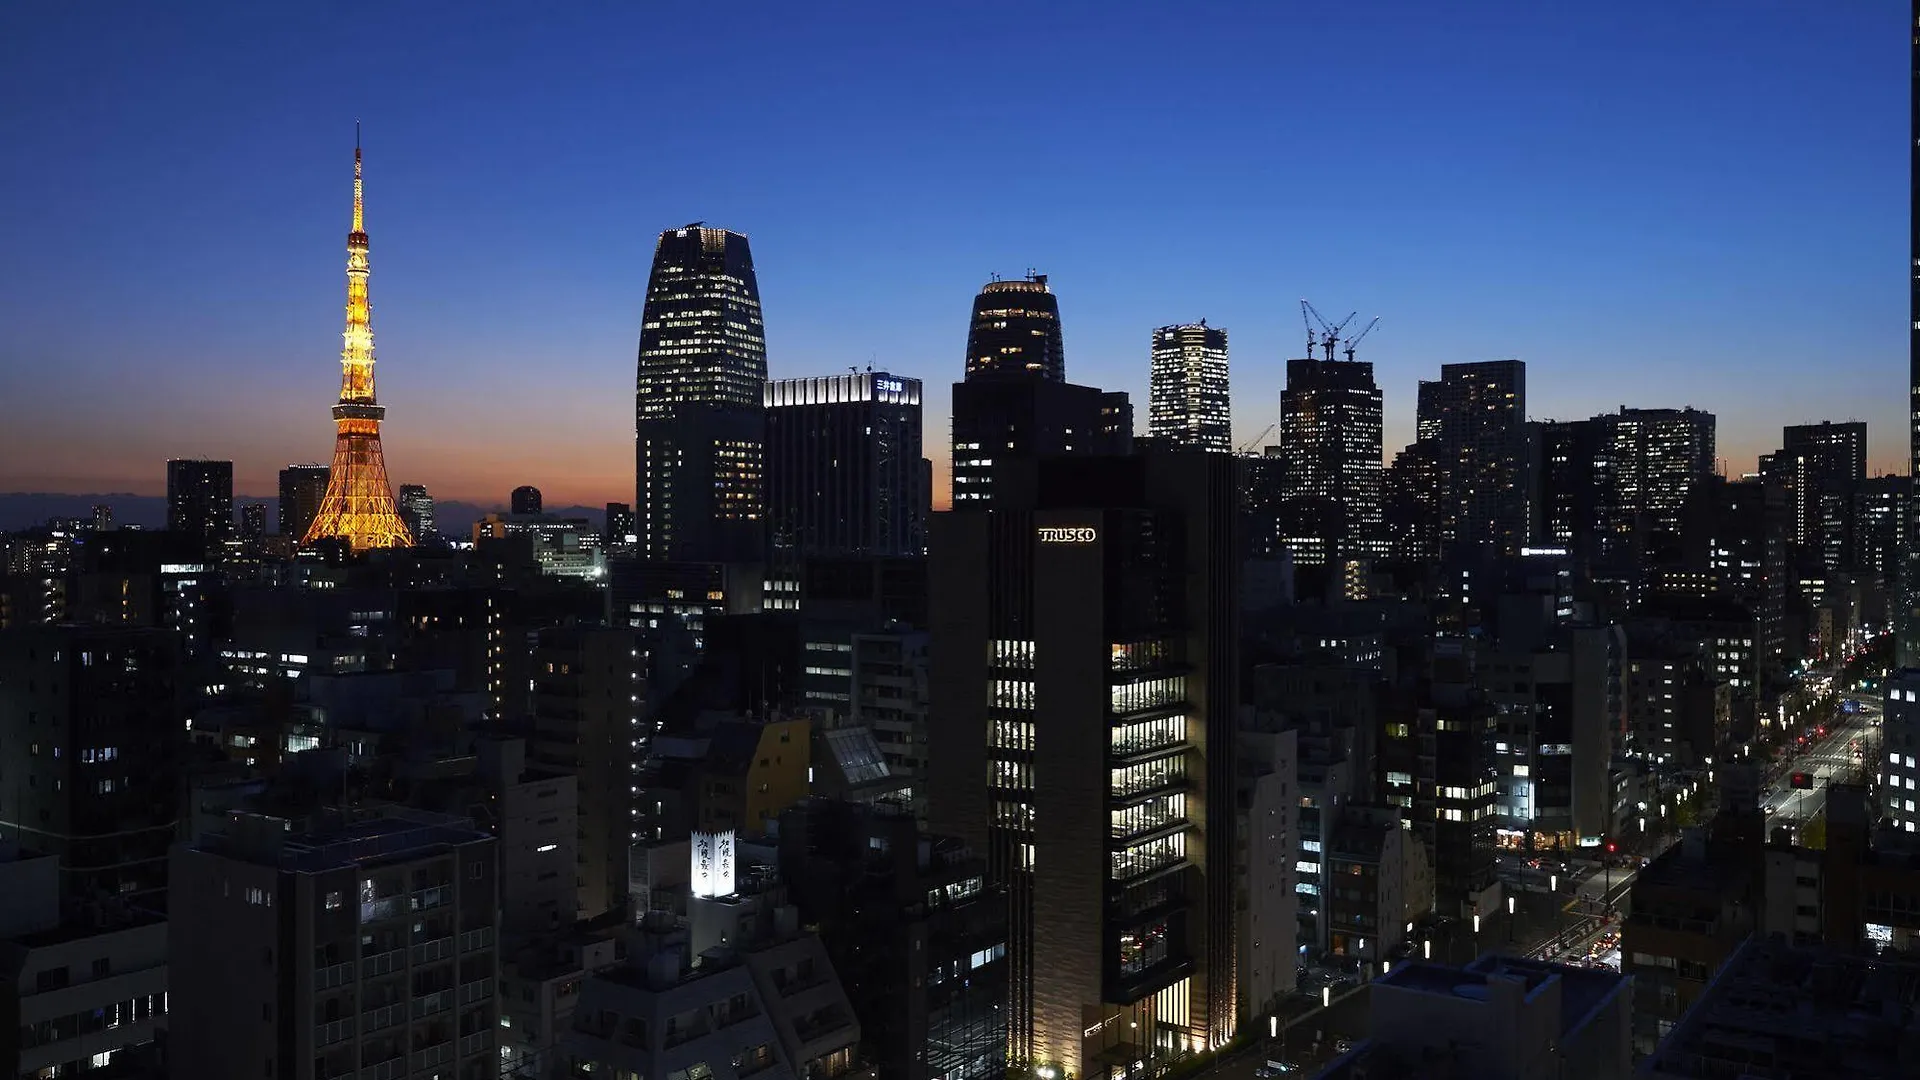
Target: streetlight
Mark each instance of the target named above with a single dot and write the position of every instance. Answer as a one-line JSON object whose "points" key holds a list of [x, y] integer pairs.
{"points": [[1426, 949], [1559, 911]]}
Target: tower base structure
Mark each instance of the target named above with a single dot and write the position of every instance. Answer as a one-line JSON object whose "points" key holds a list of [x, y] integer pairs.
{"points": [[359, 506]]}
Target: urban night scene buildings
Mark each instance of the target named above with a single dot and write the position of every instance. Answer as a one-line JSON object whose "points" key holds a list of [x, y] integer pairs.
{"points": [[866, 577]]}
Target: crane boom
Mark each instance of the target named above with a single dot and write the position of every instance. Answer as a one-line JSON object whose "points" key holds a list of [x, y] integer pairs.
{"points": [[1354, 342]]}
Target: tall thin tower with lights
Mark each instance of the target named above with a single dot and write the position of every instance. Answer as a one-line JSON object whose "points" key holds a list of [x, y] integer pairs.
{"points": [[358, 506]]}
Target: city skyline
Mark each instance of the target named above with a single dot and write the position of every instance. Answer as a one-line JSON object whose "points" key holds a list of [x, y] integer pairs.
{"points": [[1727, 229]]}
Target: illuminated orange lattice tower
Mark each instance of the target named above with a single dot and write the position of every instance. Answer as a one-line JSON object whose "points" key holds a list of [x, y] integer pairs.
{"points": [[358, 506]]}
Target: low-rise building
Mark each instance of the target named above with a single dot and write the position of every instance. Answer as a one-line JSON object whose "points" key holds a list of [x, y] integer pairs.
{"points": [[1776, 1010], [81, 993], [737, 989], [1378, 883], [1498, 1018], [1690, 908]]}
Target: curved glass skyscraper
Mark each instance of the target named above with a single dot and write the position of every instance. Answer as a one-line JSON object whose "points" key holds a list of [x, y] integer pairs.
{"points": [[1016, 332], [699, 426]]}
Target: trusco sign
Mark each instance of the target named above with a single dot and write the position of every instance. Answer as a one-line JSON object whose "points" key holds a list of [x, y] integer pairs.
{"points": [[1079, 534]]}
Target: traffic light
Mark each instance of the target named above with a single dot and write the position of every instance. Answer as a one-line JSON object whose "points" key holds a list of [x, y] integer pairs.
{"points": [[1612, 847], [1802, 781]]}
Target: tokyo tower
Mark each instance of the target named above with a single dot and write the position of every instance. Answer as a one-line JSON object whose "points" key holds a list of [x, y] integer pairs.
{"points": [[358, 506]]}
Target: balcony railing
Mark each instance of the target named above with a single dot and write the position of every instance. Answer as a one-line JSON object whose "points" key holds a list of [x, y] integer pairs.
{"points": [[477, 990], [427, 952], [335, 1032], [333, 975], [382, 963], [385, 1016], [433, 1056]]}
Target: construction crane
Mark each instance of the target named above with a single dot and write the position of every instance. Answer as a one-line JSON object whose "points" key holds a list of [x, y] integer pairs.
{"points": [[1247, 447], [1329, 336], [1354, 342]]}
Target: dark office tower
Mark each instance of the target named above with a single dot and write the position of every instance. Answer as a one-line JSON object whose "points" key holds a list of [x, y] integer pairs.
{"points": [[588, 689], [1650, 461], [525, 499], [1735, 532], [253, 521], [1410, 509], [1187, 388], [843, 466], [200, 499], [699, 423], [1258, 482], [1016, 332], [996, 421], [361, 947], [416, 509], [1566, 485], [1880, 538], [1330, 443], [102, 518], [301, 489], [1822, 467], [1476, 416], [1091, 757], [619, 524], [92, 726]]}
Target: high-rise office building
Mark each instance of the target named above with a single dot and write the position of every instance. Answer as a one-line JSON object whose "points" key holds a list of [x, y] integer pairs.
{"points": [[845, 474], [1475, 416], [416, 508], [1330, 443], [1091, 757], [102, 518], [1736, 533], [1566, 501], [1015, 404], [301, 489], [200, 499], [1410, 503], [1822, 466], [92, 731], [699, 421], [357, 948], [1880, 533], [1187, 388], [525, 499], [618, 530], [253, 521], [1001, 420], [587, 692], [1015, 332], [1651, 460]]}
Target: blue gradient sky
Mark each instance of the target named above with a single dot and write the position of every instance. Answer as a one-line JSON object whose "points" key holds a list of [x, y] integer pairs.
{"points": [[1652, 203]]}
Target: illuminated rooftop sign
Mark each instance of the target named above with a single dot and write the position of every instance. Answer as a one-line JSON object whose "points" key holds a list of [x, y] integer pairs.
{"points": [[1077, 534], [713, 863]]}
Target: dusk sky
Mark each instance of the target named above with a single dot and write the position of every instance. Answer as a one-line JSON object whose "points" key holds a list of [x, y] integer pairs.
{"points": [[1652, 203]]}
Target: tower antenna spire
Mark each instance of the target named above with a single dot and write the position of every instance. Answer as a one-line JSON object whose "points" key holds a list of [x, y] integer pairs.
{"points": [[358, 219]]}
